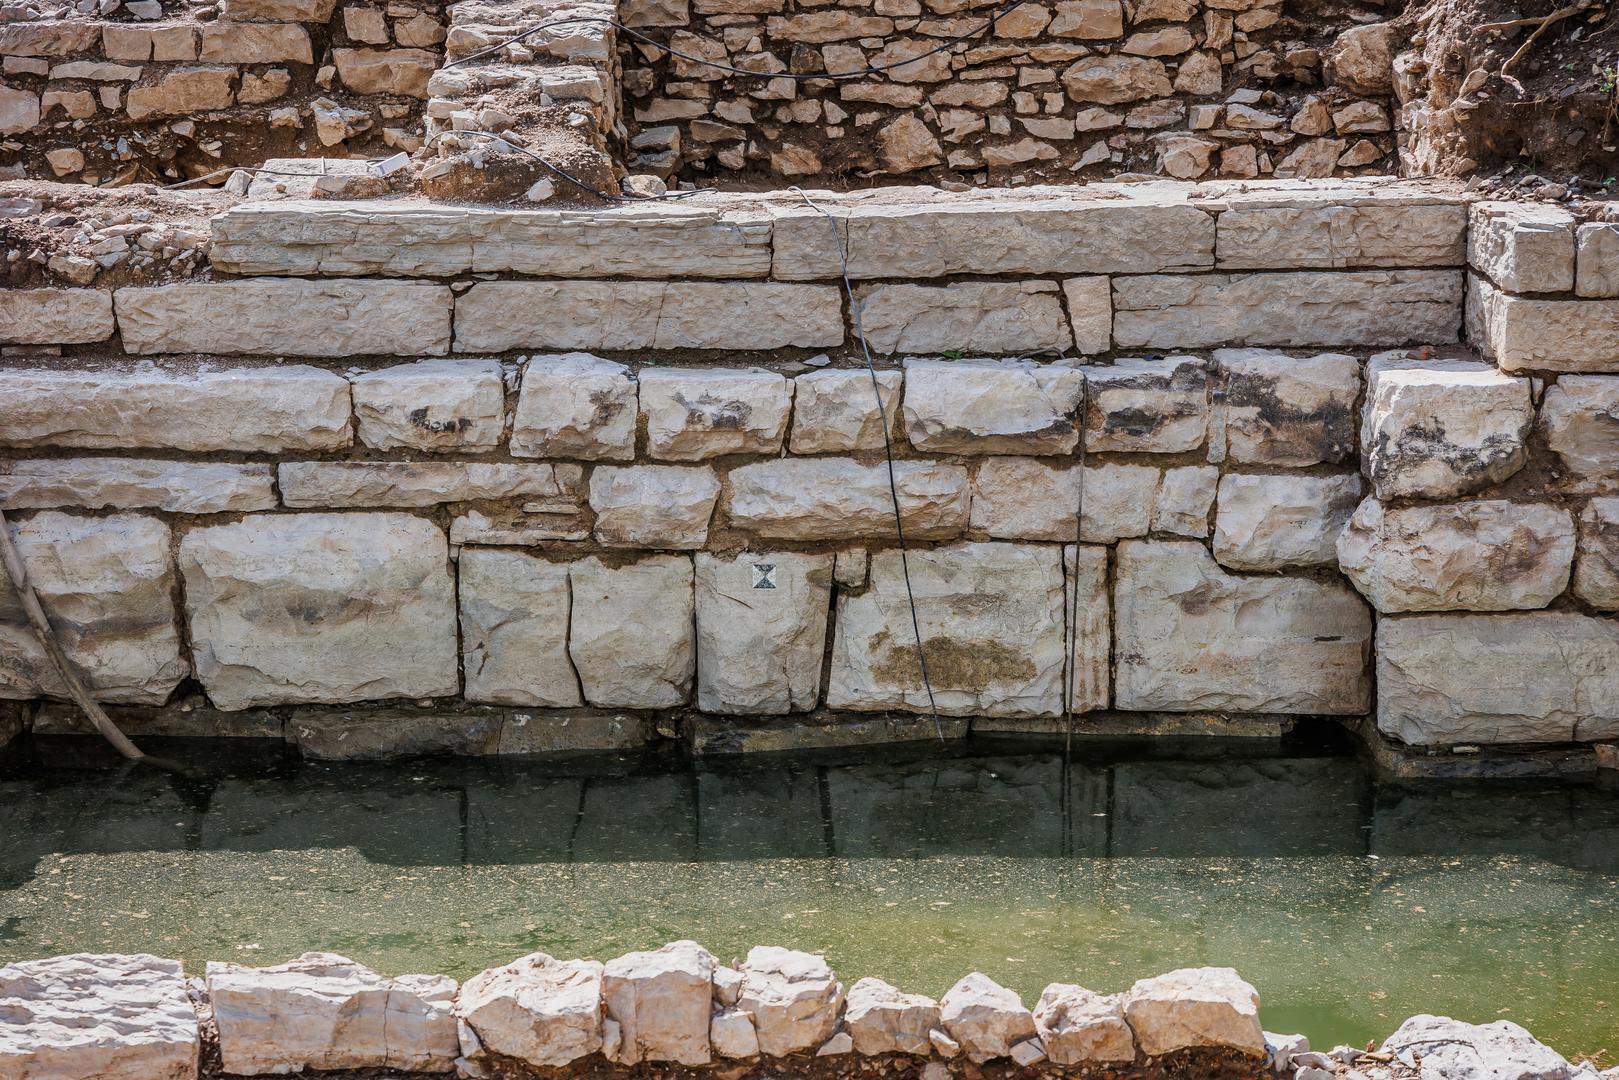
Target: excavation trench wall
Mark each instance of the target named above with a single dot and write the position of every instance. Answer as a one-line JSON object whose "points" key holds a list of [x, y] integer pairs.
{"points": [[401, 477]]}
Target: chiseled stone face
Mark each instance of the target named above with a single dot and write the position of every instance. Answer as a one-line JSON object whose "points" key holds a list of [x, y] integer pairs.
{"points": [[1529, 333], [1268, 522], [1023, 498], [1340, 233], [883, 1020], [1596, 573], [428, 483], [320, 608], [1526, 677], [55, 316], [631, 637], [841, 499], [1191, 637], [1078, 1026], [1479, 555], [660, 507], [836, 411], [1151, 406], [992, 316], [538, 1009], [991, 406], [696, 413], [117, 483], [107, 584], [661, 1001], [432, 405], [514, 630], [1580, 417], [761, 631], [1194, 1007], [1276, 409], [1523, 247], [575, 406]]}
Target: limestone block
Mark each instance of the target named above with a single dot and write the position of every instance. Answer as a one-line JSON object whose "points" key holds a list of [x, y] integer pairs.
{"points": [[1478, 555], [539, 1010], [575, 406], [1437, 429], [1195, 1007], [1596, 573], [1367, 307], [976, 316], [630, 637], [183, 91], [663, 507], [836, 411], [793, 996], [320, 608], [107, 585], [516, 527], [732, 1034], [49, 37], [515, 611], [985, 1017], [1580, 419], [1342, 232], [1597, 259], [991, 619], [401, 72], [1152, 406], [1274, 409], [426, 483], [841, 499], [1434, 1047], [1522, 333], [1191, 638], [432, 405], [494, 316], [55, 316], [108, 1017], [761, 631], [1529, 677], [114, 483], [1090, 313], [286, 318], [696, 413], [317, 11], [262, 410], [1087, 685], [324, 1011], [1079, 1027], [991, 406], [661, 1001], [1185, 496], [1019, 498], [1524, 247], [19, 110], [255, 43], [1269, 522], [1115, 80], [883, 1020]]}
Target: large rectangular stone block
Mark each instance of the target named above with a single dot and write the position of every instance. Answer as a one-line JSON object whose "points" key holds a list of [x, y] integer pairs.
{"points": [[432, 405], [515, 609], [1580, 419], [428, 483], [1358, 308], [498, 315], [631, 635], [1342, 232], [841, 499], [761, 631], [55, 316], [1523, 247], [261, 410], [1275, 409], [1522, 333], [575, 406], [1530, 677], [286, 318], [991, 406], [116, 483], [977, 316]]}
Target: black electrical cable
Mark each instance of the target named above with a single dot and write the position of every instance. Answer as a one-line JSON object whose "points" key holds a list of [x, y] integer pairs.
{"points": [[888, 452], [1071, 638]]}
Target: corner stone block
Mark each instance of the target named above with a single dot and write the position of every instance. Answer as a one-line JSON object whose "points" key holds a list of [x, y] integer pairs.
{"points": [[992, 406], [695, 413], [761, 631], [575, 406], [1523, 247], [1596, 572], [1275, 409], [107, 584], [837, 411], [321, 608], [1147, 406], [1522, 333], [1192, 638], [630, 636], [286, 318], [1580, 419], [515, 610], [437, 405], [55, 316], [1531, 677], [993, 317]]}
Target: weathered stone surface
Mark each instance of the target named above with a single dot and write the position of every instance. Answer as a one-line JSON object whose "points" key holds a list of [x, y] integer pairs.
{"points": [[840, 499], [1191, 637], [286, 318], [425, 483], [1088, 684], [1275, 409], [185, 90], [515, 611], [661, 1001], [1531, 677], [107, 585], [991, 406], [1114, 80], [978, 316], [1268, 522], [732, 1034], [835, 412], [55, 316], [1479, 555], [1524, 247], [1522, 333], [1019, 498], [1185, 496], [761, 631], [991, 619], [245, 409], [575, 406], [883, 1020], [631, 637], [432, 405], [1151, 406], [1362, 58], [1367, 307], [1079, 1027], [793, 996], [1439, 1048], [1341, 231], [1597, 259], [494, 316], [255, 43], [112, 483], [694, 413], [1090, 313], [1437, 429], [108, 1017], [662, 507], [1596, 573], [402, 72], [985, 1017], [1194, 1007], [325, 608], [324, 1011], [1580, 419], [538, 1009]]}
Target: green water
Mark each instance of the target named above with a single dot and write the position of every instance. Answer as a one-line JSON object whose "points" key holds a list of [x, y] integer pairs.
{"points": [[1348, 904]]}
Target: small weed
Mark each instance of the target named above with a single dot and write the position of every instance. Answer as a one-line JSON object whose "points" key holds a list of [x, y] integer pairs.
{"points": [[953, 354], [1608, 79]]}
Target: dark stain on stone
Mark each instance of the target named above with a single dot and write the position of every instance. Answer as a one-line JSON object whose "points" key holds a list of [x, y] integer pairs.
{"points": [[716, 414], [455, 425], [954, 665]]}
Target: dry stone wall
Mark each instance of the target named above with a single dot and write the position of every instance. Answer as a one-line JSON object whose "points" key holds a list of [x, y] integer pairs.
{"points": [[552, 478]]}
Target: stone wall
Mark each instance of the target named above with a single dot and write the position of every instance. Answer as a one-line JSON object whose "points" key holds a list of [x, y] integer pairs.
{"points": [[1213, 452]]}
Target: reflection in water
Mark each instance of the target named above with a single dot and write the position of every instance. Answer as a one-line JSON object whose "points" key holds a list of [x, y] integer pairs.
{"points": [[1350, 906]]}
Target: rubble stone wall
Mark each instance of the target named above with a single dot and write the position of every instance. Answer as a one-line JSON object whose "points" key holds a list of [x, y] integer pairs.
{"points": [[558, 478]]}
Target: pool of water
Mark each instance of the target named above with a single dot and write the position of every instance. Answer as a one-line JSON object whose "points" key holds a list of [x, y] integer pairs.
{"points": [[1349, 904]]}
